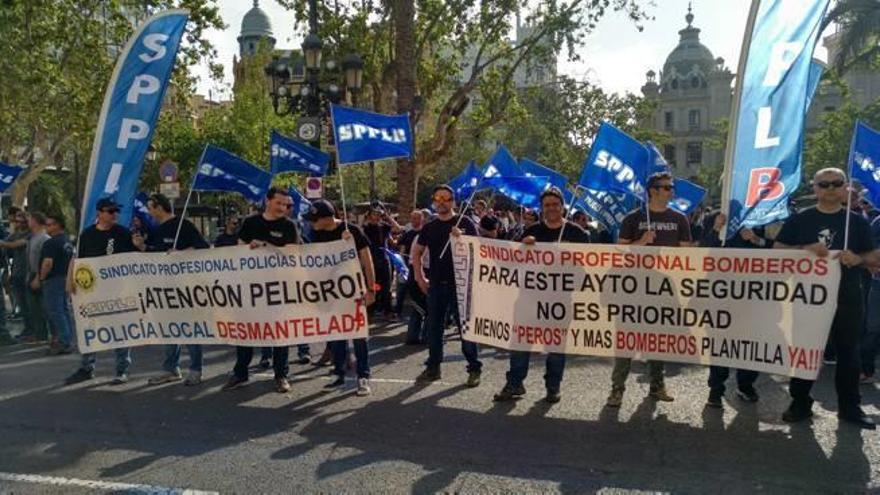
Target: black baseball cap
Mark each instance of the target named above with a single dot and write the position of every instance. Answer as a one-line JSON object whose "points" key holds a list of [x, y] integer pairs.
{"points": [[319, 209], [489, 223], [106, 204]]}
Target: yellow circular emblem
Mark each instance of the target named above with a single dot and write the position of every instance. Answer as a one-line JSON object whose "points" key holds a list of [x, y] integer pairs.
{"points": [[84, 277]]}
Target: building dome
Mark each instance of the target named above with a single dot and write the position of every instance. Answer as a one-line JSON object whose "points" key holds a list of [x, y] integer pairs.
{"points": [[689, 60], [256, 23]]}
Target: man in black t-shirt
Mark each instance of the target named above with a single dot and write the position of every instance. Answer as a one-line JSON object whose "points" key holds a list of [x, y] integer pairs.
{"points": [[745, 238], [378, 229], [440, 289], [52, 278], [104, 238], [819, 230], [162, 239], [404, 244], [547, 230], [667, 228], [326, 228], [275, 228], [229, 236]]}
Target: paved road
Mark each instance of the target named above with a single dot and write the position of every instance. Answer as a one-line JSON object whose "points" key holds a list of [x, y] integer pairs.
{"points": [[442, 437]]}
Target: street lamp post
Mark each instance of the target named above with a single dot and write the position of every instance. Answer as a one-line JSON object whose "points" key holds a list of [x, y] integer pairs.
{"points": [[353, 66]]}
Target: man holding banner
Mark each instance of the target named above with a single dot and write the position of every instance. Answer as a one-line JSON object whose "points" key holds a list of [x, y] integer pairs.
{"points": [[104, 238], [326, 228], [552, 228], [664, 227], [275, 228], [819, 230], [440, 289]]}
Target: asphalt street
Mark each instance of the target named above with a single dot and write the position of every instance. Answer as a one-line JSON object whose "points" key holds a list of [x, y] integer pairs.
{"points": [[444, 437]]}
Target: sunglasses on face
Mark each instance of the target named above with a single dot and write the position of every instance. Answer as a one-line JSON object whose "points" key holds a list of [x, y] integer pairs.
{"points": [[665, 187], [442, 199], [829, 184], [111, 211]]}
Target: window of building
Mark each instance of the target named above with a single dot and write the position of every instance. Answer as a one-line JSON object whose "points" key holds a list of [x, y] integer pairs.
{"points": [[669, 154], [694, 153], [675, 84], [694, 119], [669, 120], [695, 82]]}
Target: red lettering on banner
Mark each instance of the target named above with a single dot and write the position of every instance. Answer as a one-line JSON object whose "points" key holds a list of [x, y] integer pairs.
{"points": [[797, 356], [539, 335], [763, 185], [656, 343]]}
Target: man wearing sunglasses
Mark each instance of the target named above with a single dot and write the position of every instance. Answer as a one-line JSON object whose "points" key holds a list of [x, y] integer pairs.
{"points": [[821, 229], [667, 228], [229, 236], [104, 238], [440, 286]]}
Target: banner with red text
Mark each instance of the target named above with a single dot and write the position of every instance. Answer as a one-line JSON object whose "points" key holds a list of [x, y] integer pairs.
{"points": [[233, 295], [764, 310]]}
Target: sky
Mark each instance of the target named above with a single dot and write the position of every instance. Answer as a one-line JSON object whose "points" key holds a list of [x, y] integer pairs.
{"points": [[616, 55]]}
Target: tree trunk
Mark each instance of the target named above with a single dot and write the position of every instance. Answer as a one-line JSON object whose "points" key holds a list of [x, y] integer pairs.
{"points": [[404, 15]]}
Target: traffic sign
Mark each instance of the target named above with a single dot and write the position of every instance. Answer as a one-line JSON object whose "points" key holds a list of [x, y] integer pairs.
{"points": [[314, 188], [170, 190], [168, 172]]}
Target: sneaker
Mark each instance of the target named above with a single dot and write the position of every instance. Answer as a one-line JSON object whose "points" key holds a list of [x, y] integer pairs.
{"points": [[508, 393], [282, 386], [552, 397], [661, 395], [234, 382], [166, 377], [326, 358], [120, 379], [857, 418], [714, 400], [796, 413], [78, 376], [364, 387], [429, 375], [747, 394], [304, 359], [193, 378], [866, 379], [265, 364], [615, 398], [337, 382], [473, 379]]}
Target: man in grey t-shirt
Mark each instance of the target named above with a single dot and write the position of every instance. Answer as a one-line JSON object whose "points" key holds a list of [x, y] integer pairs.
{"points": [[37, 323]]}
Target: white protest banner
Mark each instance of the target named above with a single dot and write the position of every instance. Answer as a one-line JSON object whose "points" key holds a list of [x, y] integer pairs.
{"points": [[764, 310], [234, 295]]}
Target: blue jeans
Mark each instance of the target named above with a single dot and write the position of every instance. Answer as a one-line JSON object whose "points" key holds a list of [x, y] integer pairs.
{"points": [[56, 304], [172, 358], [339, 349], [519, 369], [123, 361], [440, 297], [871, 335]]}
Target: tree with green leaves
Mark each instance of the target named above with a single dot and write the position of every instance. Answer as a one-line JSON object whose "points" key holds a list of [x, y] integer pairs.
{"points": [[858, 42], [462, 54], [56, 60]]}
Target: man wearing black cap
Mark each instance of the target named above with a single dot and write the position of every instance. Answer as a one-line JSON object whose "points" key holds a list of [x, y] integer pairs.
{"points": [[378, 229], [270, 227], [489, 227], [104, 238], [326, 228]]}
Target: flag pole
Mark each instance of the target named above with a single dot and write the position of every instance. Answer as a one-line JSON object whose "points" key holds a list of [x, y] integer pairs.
{"points": [[460, 216], [729, 154], [849, 190], [568, 213], [342, 193], [188, 196]]}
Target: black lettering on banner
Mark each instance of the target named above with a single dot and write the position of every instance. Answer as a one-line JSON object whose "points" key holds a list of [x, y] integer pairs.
{"points": [[551, 311]]}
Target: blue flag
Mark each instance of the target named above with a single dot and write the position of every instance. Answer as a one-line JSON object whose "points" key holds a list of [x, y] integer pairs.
{"points": [[534, 169], [128, 116], [362, 136], [864, 160], [687, 196], [617, 162], [522, 190], [608, 208], [656, 162], [8, 174], [220, 170], [398, 263], [141, 211], [501, 164], [775, 91], [300, 203], [289, 155], [465, 183]]}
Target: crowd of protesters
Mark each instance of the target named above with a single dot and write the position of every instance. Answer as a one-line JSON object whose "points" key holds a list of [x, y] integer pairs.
{"points": [[38, 252]]}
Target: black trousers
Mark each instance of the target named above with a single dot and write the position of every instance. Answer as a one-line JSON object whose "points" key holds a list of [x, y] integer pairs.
{"points": [[244, 356], [845, 330], [383, 277]]}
